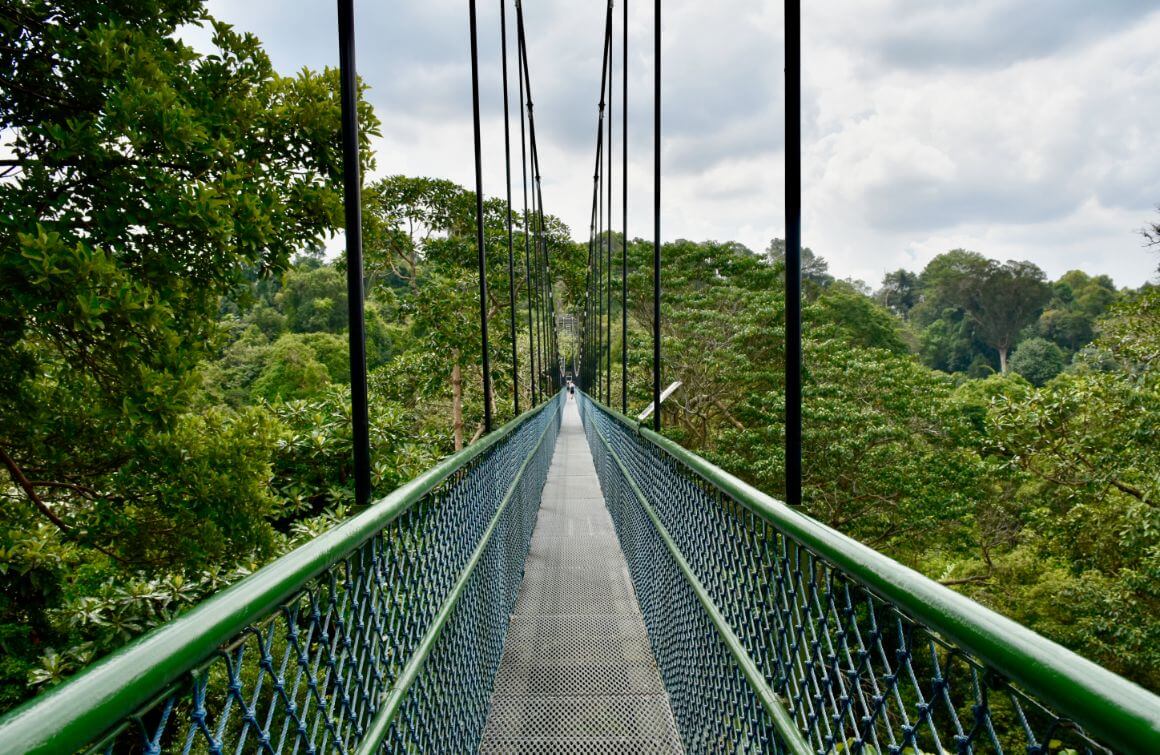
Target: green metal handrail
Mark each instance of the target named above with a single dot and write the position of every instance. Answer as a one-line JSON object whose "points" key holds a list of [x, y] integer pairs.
{"points": [[91, 708], [1110, 709], [767, 697]]}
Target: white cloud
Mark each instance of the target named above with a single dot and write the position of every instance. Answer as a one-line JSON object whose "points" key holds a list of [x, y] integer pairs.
{"points": [[1053, 158], [1024, 129]]}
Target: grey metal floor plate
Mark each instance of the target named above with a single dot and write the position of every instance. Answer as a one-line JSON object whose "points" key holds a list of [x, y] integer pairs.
{"points": [[578, 674]]}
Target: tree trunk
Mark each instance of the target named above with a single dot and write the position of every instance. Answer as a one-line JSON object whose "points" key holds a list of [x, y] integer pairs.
{"points": [[457, 400], [1003, 359]]}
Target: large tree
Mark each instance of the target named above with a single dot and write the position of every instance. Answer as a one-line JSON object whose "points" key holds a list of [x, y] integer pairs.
{"points": [[142, 182], [815, 269], [146, 180], [408, 214], [999, 299], [421, 245], [901, 292]]}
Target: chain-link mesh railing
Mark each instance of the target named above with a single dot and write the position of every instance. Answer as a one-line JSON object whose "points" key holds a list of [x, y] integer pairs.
{"points": [[384, 633], [774, 633]]}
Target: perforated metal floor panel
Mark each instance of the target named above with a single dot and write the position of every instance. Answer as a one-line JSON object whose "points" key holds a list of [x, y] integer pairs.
{"points": [[578, 674]]}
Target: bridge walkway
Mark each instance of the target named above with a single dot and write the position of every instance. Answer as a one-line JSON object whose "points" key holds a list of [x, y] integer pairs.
{"points": [[578, 674]]}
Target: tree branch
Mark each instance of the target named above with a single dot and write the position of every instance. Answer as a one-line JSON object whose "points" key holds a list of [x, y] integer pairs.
{"points": [[1123, 487], [733, 420], [82, 489], [30, 491]]}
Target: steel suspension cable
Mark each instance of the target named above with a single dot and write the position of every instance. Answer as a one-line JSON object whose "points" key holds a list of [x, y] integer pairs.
{"points": [[657, 217], [507, 164], [479, 220], [590, 298], [545, 305], [584, 332], [793, 243], [548, 312], [541, 346], [539, 252], [352, 206], [546, 289], [600, 272], [541, 304], [608, 250], [596, 335], [604, 218], [527, 228], [624, 220], [553, 325]]}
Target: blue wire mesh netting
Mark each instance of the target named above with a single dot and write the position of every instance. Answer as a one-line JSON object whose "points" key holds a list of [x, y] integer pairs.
{"points": [[309, 677], [854, 672]]}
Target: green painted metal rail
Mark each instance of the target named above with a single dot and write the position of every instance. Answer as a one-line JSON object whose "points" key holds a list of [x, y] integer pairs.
{"points": [[838, 647], [370, 628], [772, 632]]}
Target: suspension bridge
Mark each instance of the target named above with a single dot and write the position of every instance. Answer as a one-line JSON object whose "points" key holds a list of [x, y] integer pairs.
{"points": [[576, 582]]}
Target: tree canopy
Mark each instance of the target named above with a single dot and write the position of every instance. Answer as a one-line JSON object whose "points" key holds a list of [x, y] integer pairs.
{"points": [[174, 363], [997, 299], [146, 182]]}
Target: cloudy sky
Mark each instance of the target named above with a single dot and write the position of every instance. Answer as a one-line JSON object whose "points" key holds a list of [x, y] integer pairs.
{"points": [[1022, 129]]}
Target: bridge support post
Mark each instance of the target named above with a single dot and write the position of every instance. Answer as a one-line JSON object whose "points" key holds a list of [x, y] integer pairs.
{"points": [[656, 365], [793, 260], [479, 240], [352, 201]]}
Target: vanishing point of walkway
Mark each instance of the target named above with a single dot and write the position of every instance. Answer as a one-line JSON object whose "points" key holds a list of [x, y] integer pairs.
{"points": [[578, 674]]}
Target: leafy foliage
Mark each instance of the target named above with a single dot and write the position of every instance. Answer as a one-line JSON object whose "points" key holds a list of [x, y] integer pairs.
{"points": [[1037, 498], [999, 300], [1038, 360], [147, 182], [118, 125], [1083, 452], [174, 359]]}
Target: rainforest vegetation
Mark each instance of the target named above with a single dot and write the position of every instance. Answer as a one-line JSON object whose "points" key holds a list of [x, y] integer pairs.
{"points": [[174, 385]]}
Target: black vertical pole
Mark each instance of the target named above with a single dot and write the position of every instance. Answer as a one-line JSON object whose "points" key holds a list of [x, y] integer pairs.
{"points": [[542, 299], [538, 242], [549, 303], [624, 226], [537, 265], [555, 331], [534, 223], [587, 343], [600, 270], [536, 288], [608, 262], [507, 164], [352, 204], [537, 256], [550, 297], [657, 218], [589, 311], [583, 381], [479, 221], [793, 244], [527, 222]]}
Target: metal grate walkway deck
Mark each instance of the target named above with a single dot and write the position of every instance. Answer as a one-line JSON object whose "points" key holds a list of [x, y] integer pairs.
{"points": [[578, 674]]}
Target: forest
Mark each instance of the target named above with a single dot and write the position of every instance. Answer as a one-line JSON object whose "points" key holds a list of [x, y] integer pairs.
{"points": [[174, 383]]}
